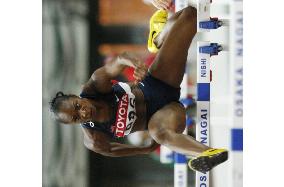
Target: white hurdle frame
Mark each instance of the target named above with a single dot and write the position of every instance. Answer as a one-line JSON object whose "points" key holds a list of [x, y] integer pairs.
{"points": [[203, 97], [203, 89], [203, 106]]}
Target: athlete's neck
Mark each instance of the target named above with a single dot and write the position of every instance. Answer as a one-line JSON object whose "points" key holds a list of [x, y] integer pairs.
{"points": [[104, 111]]}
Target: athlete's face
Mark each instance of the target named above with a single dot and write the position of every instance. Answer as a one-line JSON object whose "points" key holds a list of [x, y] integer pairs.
{"points": [[76, 110]]}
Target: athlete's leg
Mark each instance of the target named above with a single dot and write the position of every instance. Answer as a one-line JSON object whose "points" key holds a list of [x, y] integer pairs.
{"points": [[169, 65], [166, 127], [163, 35]]}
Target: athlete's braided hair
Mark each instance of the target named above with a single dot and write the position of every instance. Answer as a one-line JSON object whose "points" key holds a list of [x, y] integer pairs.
{"points": [[56, 102]]}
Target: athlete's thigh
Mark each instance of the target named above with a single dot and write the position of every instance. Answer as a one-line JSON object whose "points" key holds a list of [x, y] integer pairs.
{"points": [[170, 117], [169, 64]]}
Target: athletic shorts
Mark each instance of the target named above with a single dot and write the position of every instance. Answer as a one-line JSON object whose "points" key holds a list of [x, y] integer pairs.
{"points": [[157, 94]]}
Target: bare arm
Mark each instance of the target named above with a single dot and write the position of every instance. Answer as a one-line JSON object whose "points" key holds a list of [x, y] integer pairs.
{"points": [[100, 143], [118, 150], [101, 78]]}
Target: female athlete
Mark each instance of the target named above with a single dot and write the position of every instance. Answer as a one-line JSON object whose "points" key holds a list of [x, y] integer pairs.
{"points": [[107, 111]]}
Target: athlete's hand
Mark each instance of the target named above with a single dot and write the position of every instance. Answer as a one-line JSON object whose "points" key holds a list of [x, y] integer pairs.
{"points": [[162, 4], [140, 68], [140, 71]]}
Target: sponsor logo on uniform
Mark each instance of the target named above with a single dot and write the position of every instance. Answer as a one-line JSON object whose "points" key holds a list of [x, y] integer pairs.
{"points": [[91, 124], [121, 116], [125, 116]]}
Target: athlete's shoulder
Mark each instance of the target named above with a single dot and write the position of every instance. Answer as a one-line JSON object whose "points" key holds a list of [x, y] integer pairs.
{"points": [[119, 87]]}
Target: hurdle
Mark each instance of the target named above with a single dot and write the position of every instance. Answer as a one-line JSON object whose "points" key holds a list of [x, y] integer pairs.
{"points": [[232, 138], [204, 76], [232, 131], [204, 51]]}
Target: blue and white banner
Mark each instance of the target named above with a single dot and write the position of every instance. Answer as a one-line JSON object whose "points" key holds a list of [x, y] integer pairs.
{"points": [[202, 135], [236, 60], [203, 122], [203, 64]]}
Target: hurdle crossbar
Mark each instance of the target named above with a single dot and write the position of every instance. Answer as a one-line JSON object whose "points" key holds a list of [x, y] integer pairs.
{"points": [[205, 24]]}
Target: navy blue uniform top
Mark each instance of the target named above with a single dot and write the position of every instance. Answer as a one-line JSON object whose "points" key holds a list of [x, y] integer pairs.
{"points": [[122, 101]]}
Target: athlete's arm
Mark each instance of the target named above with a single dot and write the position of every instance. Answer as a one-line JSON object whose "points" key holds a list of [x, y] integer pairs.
{"points": [[100, 143], [101, 78], [118, 150]]}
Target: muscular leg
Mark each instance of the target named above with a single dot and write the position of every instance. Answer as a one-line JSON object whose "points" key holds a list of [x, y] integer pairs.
{"points": [[163, 35], [169, 65], [166, 126]]}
